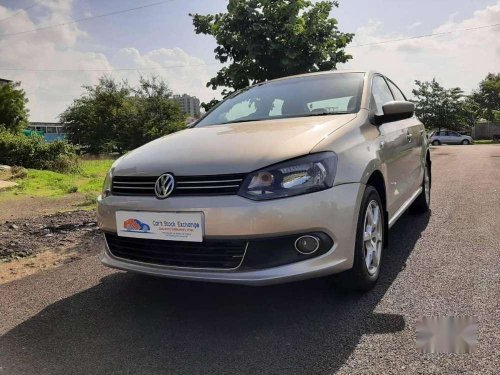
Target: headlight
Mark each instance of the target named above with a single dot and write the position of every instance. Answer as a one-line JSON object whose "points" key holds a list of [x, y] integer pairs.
{"points": [[106, 188], [293, 177]]}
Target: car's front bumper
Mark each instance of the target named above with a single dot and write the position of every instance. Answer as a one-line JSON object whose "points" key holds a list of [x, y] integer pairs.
{"points": [[333, 211]]}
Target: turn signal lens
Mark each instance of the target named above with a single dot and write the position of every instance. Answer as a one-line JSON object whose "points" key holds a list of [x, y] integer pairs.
{"points": [[106, 188]]}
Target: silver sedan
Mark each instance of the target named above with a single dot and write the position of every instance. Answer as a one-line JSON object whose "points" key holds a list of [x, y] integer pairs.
{"points": [[290, 179], [450, 138]]}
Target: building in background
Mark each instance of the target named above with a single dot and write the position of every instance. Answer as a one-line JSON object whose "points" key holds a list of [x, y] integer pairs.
{"points": [[189, 104], [51, 131]]}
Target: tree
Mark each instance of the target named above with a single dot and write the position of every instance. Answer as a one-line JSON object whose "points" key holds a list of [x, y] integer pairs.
{"points": [[266, 39], [13, 111], [113, 116], [92, 120], [157, 114], [472, 111], [438, 107], [487, 98], [209, 105]]}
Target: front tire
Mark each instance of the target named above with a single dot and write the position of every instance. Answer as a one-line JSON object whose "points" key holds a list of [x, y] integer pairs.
{"points": [[368, 247], [465, 142], [436, 143]]}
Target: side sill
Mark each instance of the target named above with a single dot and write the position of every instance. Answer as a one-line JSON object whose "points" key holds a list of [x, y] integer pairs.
{"points": [[404, 207]]}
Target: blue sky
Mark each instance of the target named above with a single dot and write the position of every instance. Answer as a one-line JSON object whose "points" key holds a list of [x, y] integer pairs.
{"points": [[163, 35]]}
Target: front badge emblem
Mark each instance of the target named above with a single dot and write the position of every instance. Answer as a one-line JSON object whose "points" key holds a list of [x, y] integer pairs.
{"points": [[164, 186]]}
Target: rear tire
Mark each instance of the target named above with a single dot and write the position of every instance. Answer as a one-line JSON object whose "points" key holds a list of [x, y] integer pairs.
{"points": [[436, 143], [465, 142], [368, 247], [423, 202]]}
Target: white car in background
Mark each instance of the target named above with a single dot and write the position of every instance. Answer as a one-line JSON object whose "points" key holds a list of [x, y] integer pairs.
{"points": [[450, 138]]}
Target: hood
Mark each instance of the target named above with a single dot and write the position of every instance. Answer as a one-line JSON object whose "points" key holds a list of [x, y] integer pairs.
{"points": [[229, 148]]}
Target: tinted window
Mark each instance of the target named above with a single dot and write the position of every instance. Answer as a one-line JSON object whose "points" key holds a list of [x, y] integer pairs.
{"points": [[380, 94], [323, 94], [398, 95]]}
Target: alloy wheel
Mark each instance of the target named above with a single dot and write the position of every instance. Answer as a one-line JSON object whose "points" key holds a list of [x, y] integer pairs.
{"points": [[372, 237]]}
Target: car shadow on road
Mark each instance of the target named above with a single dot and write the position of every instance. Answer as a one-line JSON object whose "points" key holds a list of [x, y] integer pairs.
{"points": [[135, 324]]}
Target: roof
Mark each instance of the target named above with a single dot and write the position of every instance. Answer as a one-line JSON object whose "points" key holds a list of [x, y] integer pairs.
{"points": [[45, 123], [5, 80], [369, 72]]}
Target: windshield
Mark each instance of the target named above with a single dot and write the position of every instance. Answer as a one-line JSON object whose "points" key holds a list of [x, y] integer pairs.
{"points": [[316, 95]]}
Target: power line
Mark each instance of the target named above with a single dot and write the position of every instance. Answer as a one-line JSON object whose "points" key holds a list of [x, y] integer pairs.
{"points": [[109, 70], [85, 19], [423, 36], [217, 63]]}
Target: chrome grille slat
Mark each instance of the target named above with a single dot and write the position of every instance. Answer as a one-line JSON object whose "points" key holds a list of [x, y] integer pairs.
{"points": [[135, 187], [207, 187], [135, 183], [208, 182], [184, 185]]}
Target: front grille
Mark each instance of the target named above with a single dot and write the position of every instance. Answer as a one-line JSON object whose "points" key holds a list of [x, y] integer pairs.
{"points": [[216, 254], [227, 184]]}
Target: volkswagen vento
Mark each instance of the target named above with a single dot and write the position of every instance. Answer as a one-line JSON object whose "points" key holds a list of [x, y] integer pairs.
{"points": [[289, 179]]}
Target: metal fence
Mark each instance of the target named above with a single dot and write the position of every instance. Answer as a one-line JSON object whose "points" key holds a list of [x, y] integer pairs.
{"points": [[486, 130]]}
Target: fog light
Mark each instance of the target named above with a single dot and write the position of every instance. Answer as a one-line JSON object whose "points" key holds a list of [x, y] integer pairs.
{"points": [[307, 244]]}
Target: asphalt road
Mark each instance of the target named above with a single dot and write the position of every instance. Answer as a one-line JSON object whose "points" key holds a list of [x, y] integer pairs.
{"points": [[85, 319]]}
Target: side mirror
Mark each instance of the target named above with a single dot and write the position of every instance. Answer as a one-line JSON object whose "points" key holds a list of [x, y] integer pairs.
{"points": [[395, 111]]}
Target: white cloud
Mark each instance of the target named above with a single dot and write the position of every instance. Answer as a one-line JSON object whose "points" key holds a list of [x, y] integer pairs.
{"points": [[183, 72], [49, 92], [459, 59], [414, 25]]}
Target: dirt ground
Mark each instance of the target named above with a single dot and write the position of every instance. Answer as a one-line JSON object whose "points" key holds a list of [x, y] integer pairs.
{"points": [[36, 242], [28, 207]]}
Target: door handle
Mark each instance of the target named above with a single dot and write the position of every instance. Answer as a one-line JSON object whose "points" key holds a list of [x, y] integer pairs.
{"points": [[408, 136]]}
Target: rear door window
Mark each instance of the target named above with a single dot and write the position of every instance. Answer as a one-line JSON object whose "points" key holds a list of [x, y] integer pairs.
{"points": [[398, 94], [380, 94]]}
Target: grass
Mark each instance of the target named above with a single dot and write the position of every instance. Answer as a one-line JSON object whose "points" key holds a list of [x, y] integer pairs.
{"points": [[88, 181], [483, 142]]}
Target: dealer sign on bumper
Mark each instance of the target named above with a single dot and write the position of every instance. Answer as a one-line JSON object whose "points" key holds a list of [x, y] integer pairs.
{"points": [[173, 226]]}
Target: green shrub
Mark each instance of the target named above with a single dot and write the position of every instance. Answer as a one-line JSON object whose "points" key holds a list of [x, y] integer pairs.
{"points": [[34, 152]]}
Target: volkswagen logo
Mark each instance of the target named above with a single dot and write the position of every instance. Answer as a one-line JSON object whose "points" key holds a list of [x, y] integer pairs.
{"points": [[164, 186]]}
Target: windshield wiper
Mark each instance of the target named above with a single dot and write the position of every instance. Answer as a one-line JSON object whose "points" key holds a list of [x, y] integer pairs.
{"points": [[326, 113], [237, 121], [285, 117]]}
